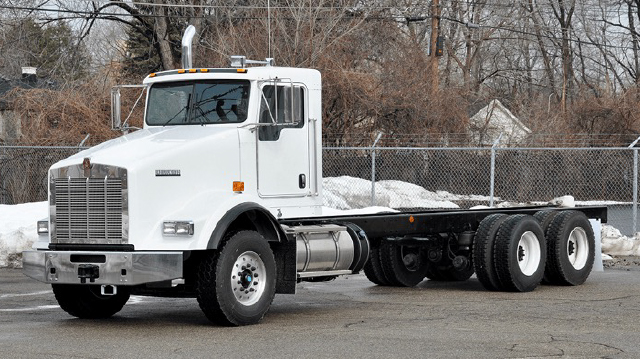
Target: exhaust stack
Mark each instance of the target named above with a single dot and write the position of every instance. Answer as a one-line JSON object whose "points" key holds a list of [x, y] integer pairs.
{"points": [[187, 38]]}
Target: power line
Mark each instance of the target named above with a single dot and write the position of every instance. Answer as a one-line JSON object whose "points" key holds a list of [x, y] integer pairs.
{"points": [[397, 18]]}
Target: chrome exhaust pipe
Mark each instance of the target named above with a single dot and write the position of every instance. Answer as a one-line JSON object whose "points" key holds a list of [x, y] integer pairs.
{"points": [[187, 38]]}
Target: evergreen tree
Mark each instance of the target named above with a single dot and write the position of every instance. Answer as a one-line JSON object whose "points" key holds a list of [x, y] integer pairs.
{"points": [[51, 48]]}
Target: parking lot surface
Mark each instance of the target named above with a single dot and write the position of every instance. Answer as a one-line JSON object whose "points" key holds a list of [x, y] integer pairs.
{"points": [[349, 318]]}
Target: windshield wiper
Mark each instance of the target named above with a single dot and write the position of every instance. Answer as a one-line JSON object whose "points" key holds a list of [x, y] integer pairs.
{"points": [[202, 117]]}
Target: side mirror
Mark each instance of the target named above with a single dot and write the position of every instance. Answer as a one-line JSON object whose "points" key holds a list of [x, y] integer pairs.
{"points": [[116, 122], [116, 116]]}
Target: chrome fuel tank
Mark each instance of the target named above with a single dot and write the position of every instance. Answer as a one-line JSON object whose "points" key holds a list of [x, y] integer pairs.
{"points": [[329, 249]]}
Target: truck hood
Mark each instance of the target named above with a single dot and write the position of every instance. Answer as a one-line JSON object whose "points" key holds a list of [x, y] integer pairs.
{"points": [[148, 145]]}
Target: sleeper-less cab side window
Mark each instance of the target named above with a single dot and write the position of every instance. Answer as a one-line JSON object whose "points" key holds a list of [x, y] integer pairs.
{"points": [[277, 107]]}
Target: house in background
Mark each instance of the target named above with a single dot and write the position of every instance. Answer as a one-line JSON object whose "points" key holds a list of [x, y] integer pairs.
{"points": [[487, 124], [9, 122]]}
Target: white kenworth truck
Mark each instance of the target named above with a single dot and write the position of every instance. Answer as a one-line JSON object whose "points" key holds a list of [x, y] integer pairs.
{"points": [[219, 197]]}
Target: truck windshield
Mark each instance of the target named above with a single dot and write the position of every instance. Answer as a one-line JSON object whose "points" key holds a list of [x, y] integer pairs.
{"points": [[205, 102]]}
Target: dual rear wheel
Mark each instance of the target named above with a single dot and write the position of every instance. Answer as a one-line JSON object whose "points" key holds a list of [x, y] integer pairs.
{"points": [[391, 264], [510, 253], [515, 253]]}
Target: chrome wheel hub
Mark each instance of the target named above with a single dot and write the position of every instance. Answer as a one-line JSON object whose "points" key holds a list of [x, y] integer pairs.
{"points": [[248, 278]]}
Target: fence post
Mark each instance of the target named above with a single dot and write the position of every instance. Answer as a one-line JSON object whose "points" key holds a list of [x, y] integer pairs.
{"points": [[635, 185], [492, 178], [2, 180], [635, 191], [373, 170]]}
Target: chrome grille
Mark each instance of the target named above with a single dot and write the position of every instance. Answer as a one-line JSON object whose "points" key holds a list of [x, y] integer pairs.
{"points": [[88, 210]]}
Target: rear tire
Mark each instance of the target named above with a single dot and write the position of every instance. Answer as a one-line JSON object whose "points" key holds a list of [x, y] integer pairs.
{"points": [[483, 246], [403, 266], [545, 217], [373, 268], [570, 249], [520, 253], [86, 302], [236, 284]]}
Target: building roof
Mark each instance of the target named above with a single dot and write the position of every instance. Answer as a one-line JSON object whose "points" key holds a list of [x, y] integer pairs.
{"points": [[492, 121], [6, 85]]}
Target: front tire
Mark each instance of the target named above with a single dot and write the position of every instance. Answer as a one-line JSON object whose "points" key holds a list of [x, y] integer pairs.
{"points": [[236, 284], [86, 302]]}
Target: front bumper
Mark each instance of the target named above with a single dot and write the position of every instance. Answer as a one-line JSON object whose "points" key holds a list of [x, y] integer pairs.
{"points": [[110, 268]]}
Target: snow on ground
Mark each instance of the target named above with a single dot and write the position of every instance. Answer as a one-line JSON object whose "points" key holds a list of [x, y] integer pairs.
{"points": [[18, 230], [616, 244], [342, 195]]}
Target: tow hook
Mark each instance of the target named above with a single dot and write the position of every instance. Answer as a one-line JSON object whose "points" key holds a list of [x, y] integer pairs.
{"points": [[88, 271], [108, 290]]}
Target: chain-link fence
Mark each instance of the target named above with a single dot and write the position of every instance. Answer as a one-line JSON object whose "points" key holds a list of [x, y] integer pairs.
{"points": [[464, 176], [23, 171], [493, 176]]}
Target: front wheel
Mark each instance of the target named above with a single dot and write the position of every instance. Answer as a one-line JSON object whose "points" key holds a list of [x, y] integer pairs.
{"points": [[86, 301], [236, 285]]}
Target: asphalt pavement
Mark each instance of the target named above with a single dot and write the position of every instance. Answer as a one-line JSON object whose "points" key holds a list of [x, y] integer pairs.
{"points": [[346, 318]]}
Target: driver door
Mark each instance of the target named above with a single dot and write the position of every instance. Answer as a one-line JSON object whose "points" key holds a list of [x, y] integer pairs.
{"points": [[283, 141]]}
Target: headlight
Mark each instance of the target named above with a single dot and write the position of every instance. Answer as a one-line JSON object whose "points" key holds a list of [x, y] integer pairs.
{"points": [[43, 227], [177, 228]]}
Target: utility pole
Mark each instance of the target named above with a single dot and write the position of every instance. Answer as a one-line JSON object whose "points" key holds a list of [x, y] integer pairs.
{"points": [[433, 45]]}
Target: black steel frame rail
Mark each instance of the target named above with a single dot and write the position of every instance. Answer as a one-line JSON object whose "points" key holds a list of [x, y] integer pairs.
{"points": [[381, 225]]}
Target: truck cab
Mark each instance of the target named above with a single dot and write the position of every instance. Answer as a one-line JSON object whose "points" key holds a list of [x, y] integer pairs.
{"points": [[213, 139]]}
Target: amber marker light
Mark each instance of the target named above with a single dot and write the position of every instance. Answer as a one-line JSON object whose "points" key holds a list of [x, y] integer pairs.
{"points": [[238, 186], [242, 71], [193, 70], [411, 219], [152, 74], [204, 70], [181, 71]]}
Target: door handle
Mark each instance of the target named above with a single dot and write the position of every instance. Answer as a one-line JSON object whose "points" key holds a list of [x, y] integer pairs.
{"points": [[302, 180]]}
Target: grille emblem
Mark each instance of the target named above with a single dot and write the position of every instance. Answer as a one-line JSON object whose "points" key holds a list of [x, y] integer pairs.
{"points": [[86, 166]]}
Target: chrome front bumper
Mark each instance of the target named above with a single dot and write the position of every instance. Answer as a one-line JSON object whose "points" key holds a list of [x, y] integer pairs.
{"points": [[111, 268]]}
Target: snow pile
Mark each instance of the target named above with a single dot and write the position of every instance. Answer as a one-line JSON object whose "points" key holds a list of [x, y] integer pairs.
{"points": [[18, 230], [564, 201], [326, 211], [616, 244], [349, 193]]}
